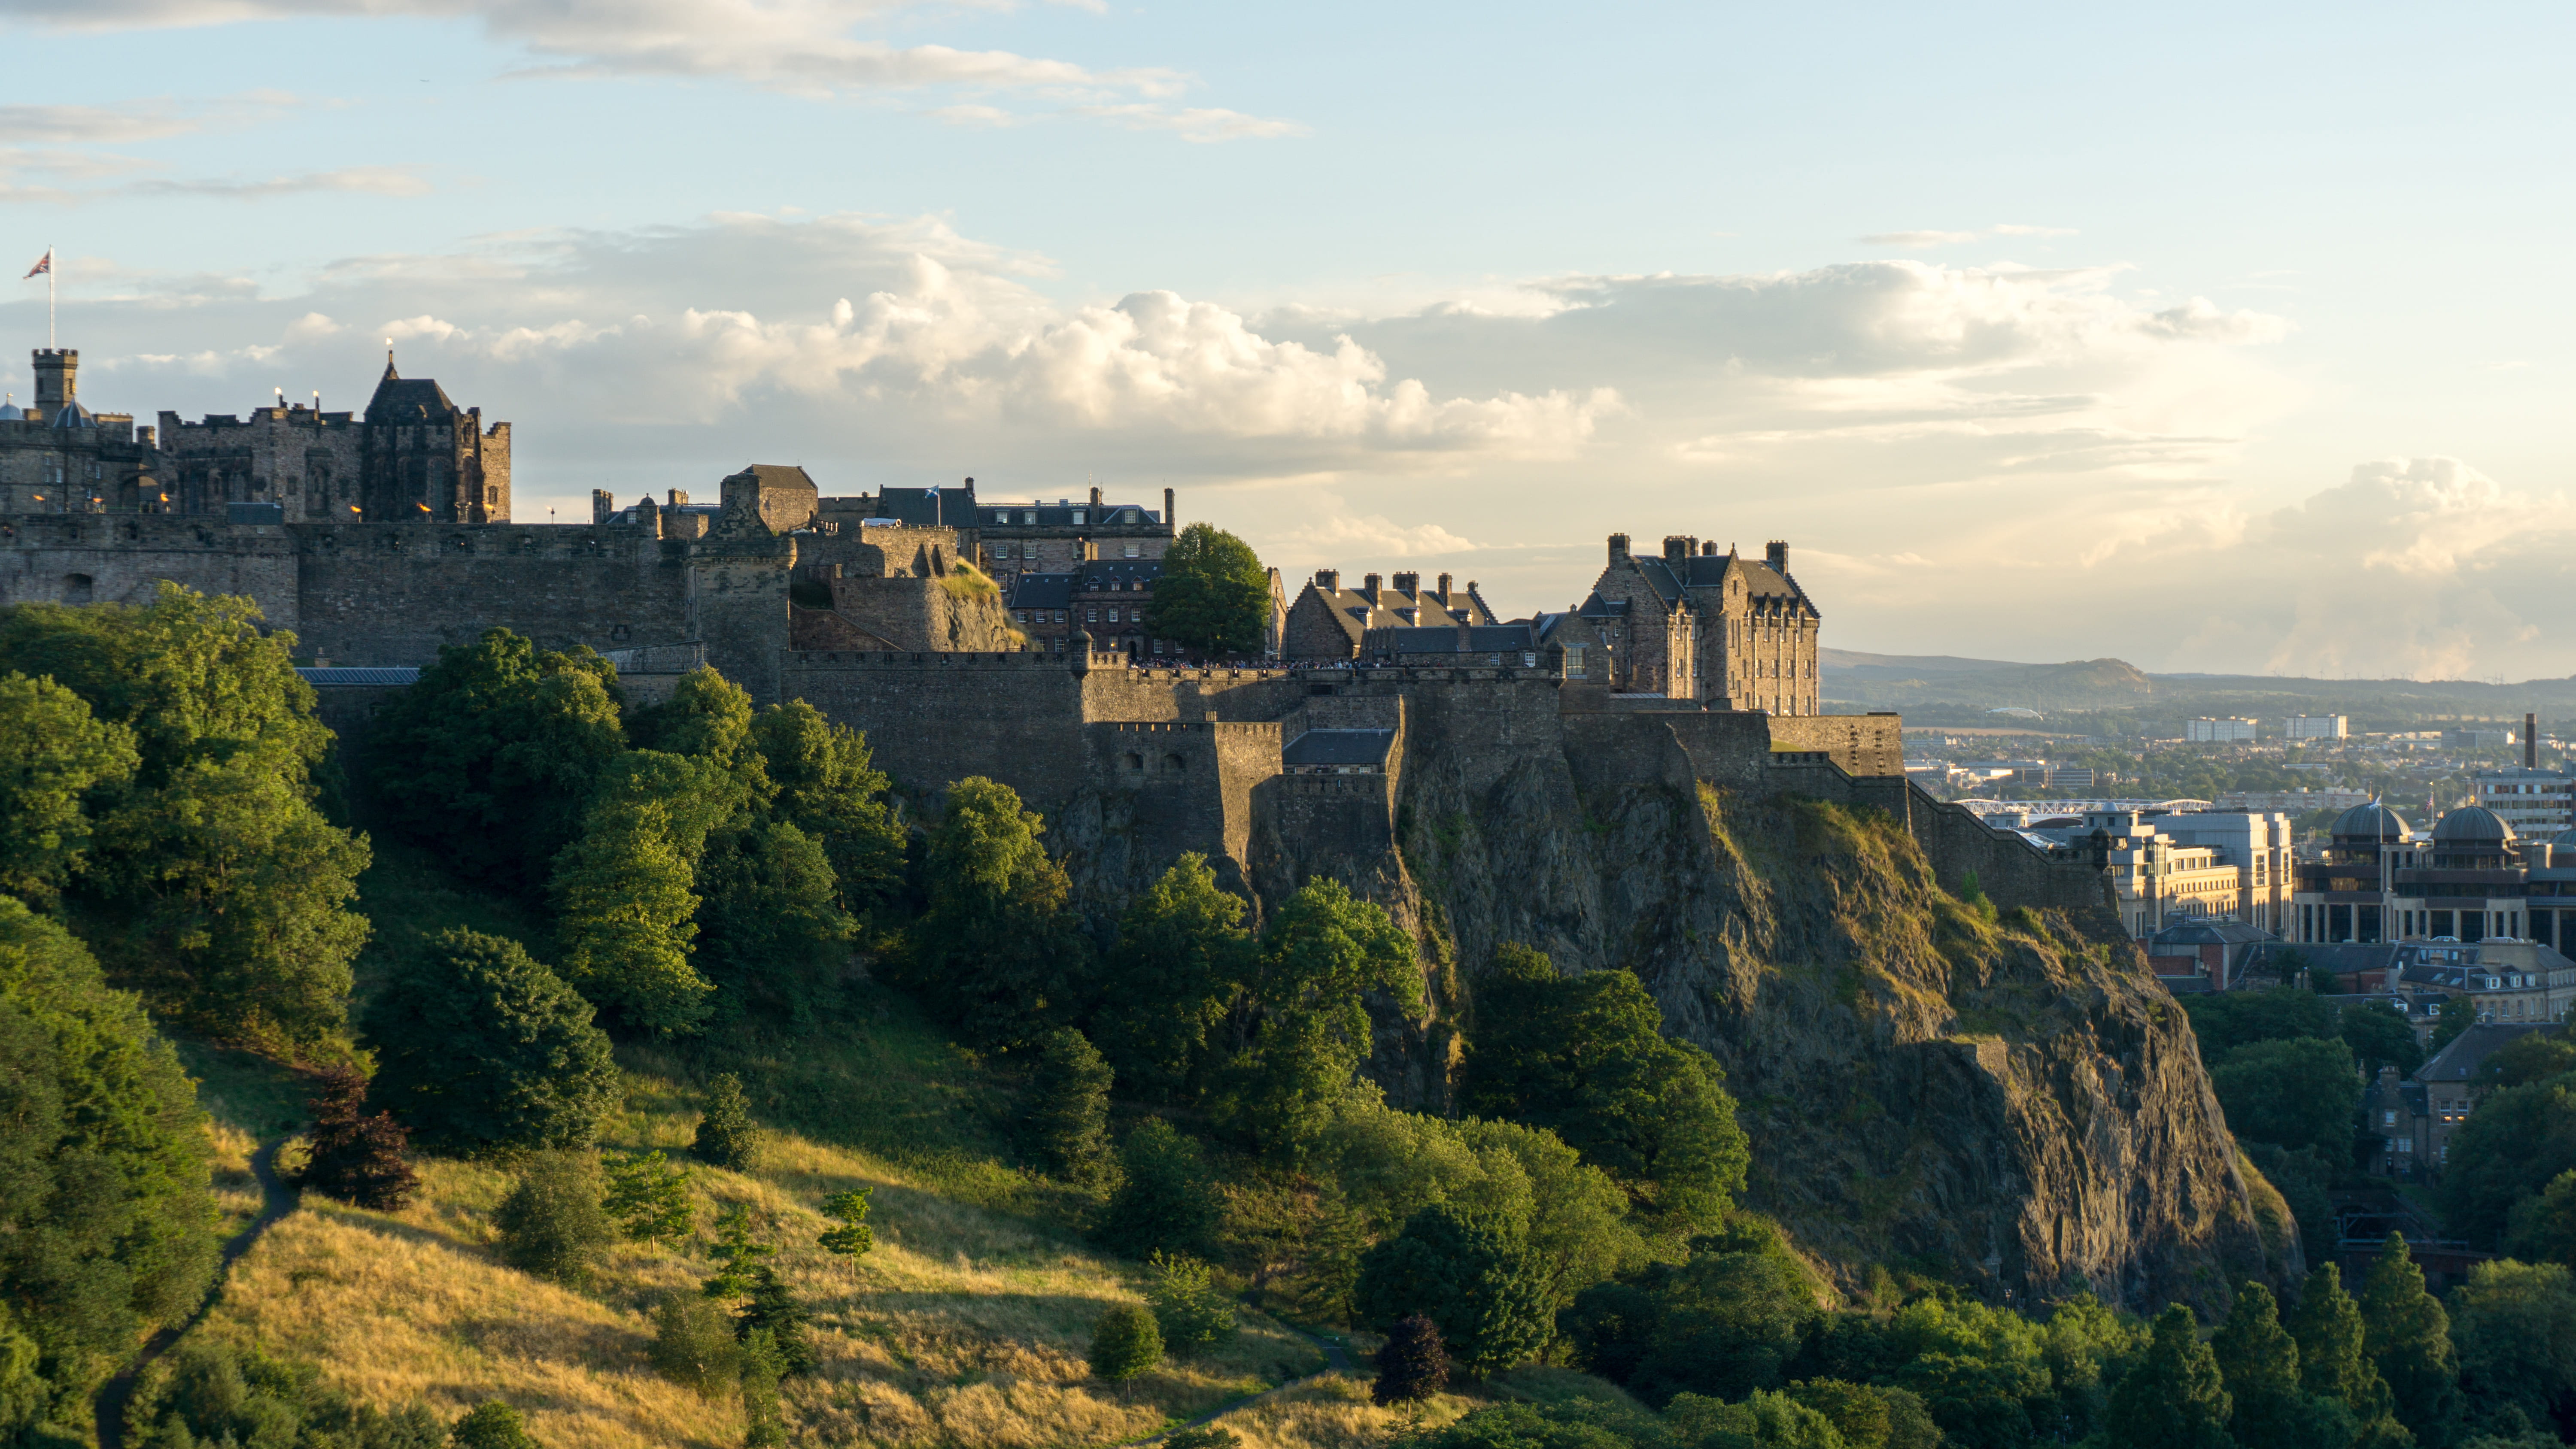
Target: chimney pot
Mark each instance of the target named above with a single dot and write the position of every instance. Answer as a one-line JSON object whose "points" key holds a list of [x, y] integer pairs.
{"points": [[1408, 583], [1676, 546], [1329, 580], [1444, 588], [1369, 586], [2531, 742], [1618, 548]]}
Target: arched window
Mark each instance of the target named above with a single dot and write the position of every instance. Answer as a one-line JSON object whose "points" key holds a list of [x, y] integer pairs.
{"points": [[78, 588], [1135, 761]]}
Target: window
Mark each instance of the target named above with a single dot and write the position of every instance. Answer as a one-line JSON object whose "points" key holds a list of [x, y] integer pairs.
{"points": [[2388, 1119], [1028, 516], [1135, 550], [1059, 616], [1021, 614], [1091, 616], [1079, 514], [1113, 613]]}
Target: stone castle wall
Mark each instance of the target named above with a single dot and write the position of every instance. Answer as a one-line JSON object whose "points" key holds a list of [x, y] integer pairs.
{"points": [[57, 558]]}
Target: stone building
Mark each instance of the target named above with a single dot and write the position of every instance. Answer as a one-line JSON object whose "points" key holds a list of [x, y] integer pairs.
{"points": [[2471, 878], [1329, 622], [1105, 598], [1040, 537], [1716, 629], [57, 456], [413, 456]]}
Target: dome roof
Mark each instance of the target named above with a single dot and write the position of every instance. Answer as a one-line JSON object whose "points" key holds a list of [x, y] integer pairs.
{"points": [[10, 412], [2373, 821], [2565, 840], [2472, 824], [73, 415]]}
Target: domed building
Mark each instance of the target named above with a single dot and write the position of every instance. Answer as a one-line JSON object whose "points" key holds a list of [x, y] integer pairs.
{"points": [[2471, 878]]}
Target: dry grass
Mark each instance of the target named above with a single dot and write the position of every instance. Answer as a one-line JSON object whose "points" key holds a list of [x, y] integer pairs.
{"points": [[964, 1327], [1334, 1412]]}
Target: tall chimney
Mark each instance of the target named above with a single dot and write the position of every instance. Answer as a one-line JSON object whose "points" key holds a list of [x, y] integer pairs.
{"points": [[1776, 554], [1676, 547], [1329, 580], [1408, 583], [602, 504], [1369, 586], [2531, 742], [1171, 523], [1618, 549], [1095, 497], [1444, 588]]}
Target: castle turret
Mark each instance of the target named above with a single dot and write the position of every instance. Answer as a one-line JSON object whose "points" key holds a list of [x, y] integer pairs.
{"points": [[57, 380]]}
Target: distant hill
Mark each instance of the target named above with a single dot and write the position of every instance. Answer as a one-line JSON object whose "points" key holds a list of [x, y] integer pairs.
{"points": [[1899, 680]]}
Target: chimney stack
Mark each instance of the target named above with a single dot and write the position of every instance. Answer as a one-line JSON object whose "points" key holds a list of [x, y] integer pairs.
{"points": [[1329, 580], [602, 504], [1776, 554], [1444, 588], [1369, 586], [1095, 496], [1408, 583], [1618, 549], [1171, 521], [2531, 742], [1676, 548]]}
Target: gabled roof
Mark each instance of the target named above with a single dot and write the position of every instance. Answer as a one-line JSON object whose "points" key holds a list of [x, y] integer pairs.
{"points": [[1355, 612], [1675, 579], [408, 400], [2459, 1061], [1041, 591], [1455, 639], [1338, 747]]}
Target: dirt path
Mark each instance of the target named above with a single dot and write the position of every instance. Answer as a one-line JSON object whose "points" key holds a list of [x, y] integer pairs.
{"points": [[1336, 1361], [276, 1201]]}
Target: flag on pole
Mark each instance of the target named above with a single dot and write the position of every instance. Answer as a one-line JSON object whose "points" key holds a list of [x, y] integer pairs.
{"points": [[44, 265]]}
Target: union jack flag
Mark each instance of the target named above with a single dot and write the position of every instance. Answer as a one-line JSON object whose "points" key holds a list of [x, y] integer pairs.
{"points": [[43, 265]]}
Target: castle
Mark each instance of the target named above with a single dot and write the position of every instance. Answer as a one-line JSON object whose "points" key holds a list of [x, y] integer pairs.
{"points": [[968, 636]]}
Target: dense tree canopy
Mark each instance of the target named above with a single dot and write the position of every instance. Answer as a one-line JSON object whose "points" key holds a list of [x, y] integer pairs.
{"points": [[1213, 594], [1181, 960], [2510, 1148], [106, 1223], [1322, 952], [1474, 1276], [2295, 1093], [53, 752], [1586, 1058], [997, 952], [479, 1046]]}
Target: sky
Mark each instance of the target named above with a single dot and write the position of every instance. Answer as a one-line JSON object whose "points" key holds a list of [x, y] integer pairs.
{"points": [[2208, 340]]}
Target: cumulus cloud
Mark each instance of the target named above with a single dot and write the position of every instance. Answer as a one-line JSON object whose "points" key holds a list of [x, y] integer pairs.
{"points": [[1995, 461], [806, 47]]}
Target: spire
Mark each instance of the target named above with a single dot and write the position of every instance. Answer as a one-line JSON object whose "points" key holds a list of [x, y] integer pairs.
{"points": [[390, 374]]}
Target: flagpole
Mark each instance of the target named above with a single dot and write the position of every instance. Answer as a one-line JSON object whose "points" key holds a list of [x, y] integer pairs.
{"points": [[50, 344]]}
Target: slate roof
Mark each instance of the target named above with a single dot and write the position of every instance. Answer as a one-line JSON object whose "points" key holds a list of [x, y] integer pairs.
{"points": [[1671, 578], [934, 507], [1355, 613], [408, 400], [1097, 574], [1041, 591], [2460, 1060], [1338, 747], [1455, 639], [2211, 933], [994, 515]]}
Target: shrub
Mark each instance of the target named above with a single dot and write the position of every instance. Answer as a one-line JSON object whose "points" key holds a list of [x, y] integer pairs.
{"points": [[491, 1425], [551, 1224], [1188, 1309], [761, 1368], [481, 1047], [1413, 1365], [1066, 1127], [648, 1195], [694, 1344], [1165, 1200], [1206, 1436], [727, 1136], [1125, 1342], [775, 1312], [356, 1157]]}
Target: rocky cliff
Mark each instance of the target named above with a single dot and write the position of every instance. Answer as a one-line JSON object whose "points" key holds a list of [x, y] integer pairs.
{"points": [[2011, 1100]]}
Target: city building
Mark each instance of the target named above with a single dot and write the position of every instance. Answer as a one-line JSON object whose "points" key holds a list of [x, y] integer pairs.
{"points": [[2180, 867], [2414, 1117], [1694, 624], [1105, 598], [2314, 727], [1329, 622], [2472, 878], [2292, 802], [2221, 731], [2532, 800]]}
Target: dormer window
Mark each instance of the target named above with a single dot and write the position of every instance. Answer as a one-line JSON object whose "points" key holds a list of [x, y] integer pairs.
{"points": [[1028, 515], [1080, 514]]}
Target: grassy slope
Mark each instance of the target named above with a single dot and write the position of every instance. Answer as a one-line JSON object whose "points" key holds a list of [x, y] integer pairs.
{"points": [[966, 1325]]}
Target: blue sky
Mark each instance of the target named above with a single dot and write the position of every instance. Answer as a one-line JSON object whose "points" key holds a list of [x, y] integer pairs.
{"points": [[2206, 340]]}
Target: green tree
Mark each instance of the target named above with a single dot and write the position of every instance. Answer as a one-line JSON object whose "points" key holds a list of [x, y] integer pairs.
{"points": [[2226, 1020], [1585, 1057], [480, 1047], [2458, 1015], [1725, 1322], [1125, 1342], [1182, 958], [551, 1224], [53, 753], [106, 1223], [625, 901], [2408, 1338], [1322, 952], [648, 1195], [762, 1366], [1859, 1413], [738, 1255], [1166, 1200], [2542, 1228], [852, 1237], [491, 1425], [2258, 1361], [2518, 1140], [1213, 595], [773, 1310], [2334, 1364], [1478, 1280], [829, 788], [1192, 1314], [2535, 1057], [2380, 1036], [492, 755], [694, 1345], [727, 1137], [2515, 1328], [769, 920], [2296, 1093], [1413, 1365], [1066, 1126], [2172, 1400], [997, 951]]}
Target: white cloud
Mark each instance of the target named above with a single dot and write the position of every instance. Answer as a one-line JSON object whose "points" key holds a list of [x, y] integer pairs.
{"points": [[1918, 238], [2011, 229], [806, 47], [366, 180]]}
